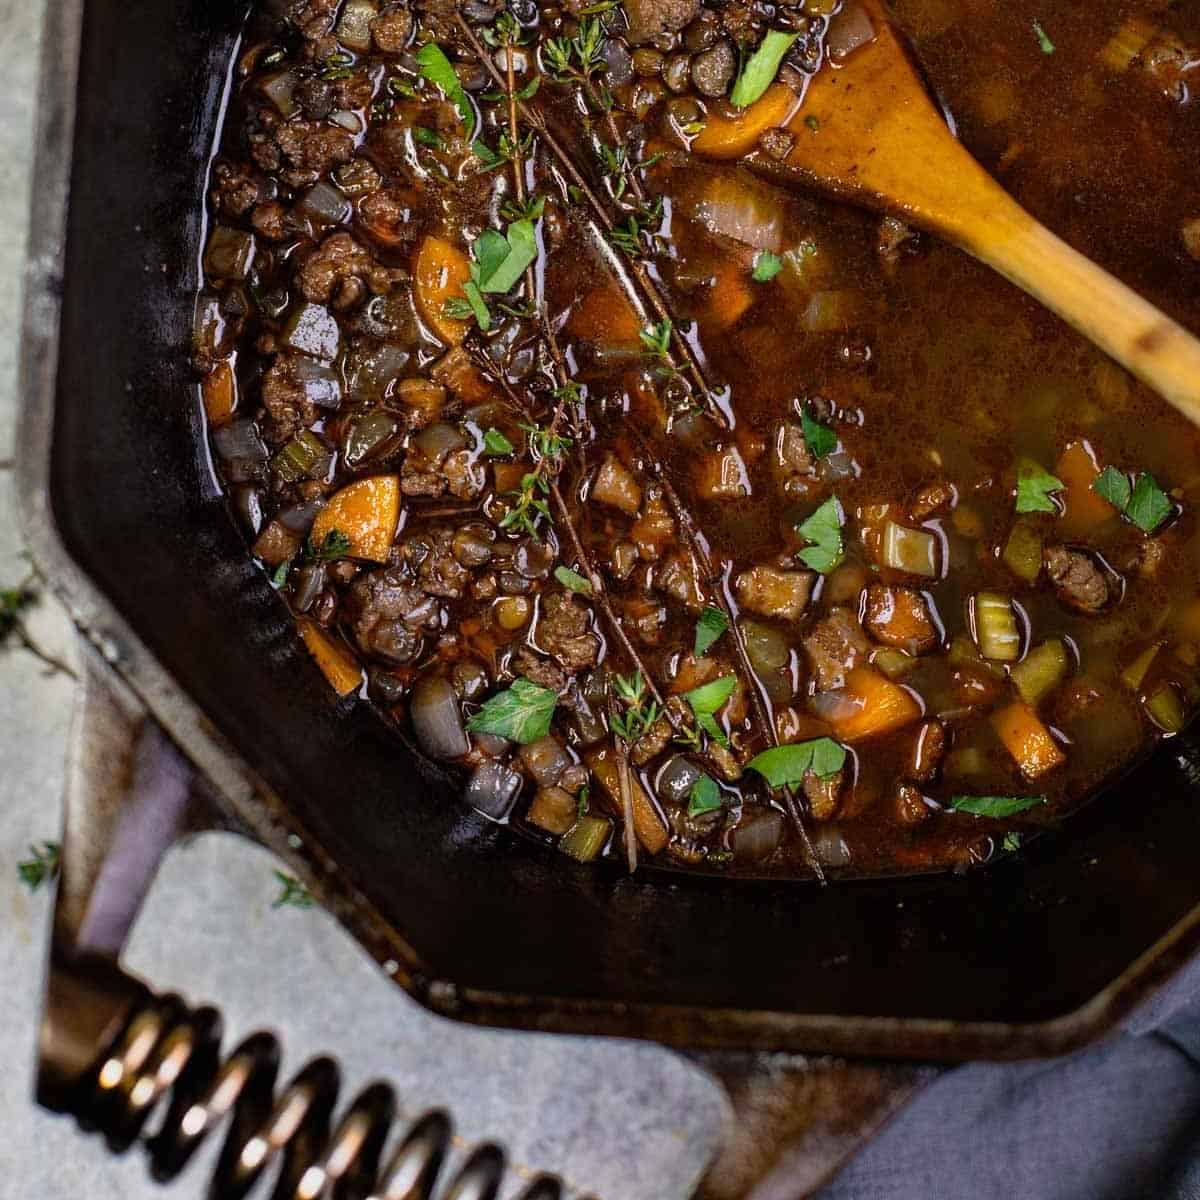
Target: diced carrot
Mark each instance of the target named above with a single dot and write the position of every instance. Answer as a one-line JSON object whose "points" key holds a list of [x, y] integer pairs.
{"points": [[730, 295], [881, 706], [604, 316], [219, 389], [367, 512], [508, 476], [340, 667], [899, 617], [731, 136], [439, 271], [1084, 508], [1028, 740], [647, 824], [692, 673], [873, 520]]}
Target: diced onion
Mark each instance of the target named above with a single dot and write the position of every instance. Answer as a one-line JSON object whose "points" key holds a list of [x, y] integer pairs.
{"points": [[545, 760], [676, 779], [849, 30], [279, 88], [436, 718], [322, 385], [758, 835], [299, 517], [239, 439], [492, 789], [354, 25], [323, 202]]}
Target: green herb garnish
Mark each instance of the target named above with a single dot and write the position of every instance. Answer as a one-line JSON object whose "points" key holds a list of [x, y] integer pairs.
{"points": [[1034, 486], [994, 806], [656, 340], [1045, 45], [334, 545], [437, 68], [1149, 505], [707, 700], [280, 574], [572, 580], [41, 866], [1144, 503], [759, 70], [521, 713], [501, 258], [1011, 842], [705, 797], [1114, 486], [786, 766], [640, 711], [495, 443], [824, 530], [709, 628], [820, 439], [766, 267], [292, 893], [427, 137]]}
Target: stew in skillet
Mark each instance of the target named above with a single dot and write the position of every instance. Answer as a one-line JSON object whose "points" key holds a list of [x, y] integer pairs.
{"points": [[696, 518]]}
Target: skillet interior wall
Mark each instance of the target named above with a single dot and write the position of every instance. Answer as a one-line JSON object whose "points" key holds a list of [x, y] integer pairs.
{"points": [[130, 492]]}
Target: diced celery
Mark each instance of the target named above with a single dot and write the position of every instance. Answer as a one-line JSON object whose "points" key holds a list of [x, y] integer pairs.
{"points": [[299, 456], [1166, 709], [913, 551], [586, 838], [1133, 36], [996, 629], [893, 663], [1023, 551], [1134, 674], [1040, 671]]}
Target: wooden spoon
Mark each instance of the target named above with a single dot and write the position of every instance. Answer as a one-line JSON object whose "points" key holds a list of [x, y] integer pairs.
{"points": [[868, 131]]}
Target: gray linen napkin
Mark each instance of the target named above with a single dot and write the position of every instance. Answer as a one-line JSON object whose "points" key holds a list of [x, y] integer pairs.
{"points": [[1118, 1121]]}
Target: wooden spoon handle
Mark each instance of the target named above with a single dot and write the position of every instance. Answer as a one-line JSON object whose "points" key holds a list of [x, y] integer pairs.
{"points": [[1142, 339]]}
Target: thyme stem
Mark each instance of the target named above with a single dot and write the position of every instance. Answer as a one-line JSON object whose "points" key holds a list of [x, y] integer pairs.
{"points": [[715, 583], [651, 294]]}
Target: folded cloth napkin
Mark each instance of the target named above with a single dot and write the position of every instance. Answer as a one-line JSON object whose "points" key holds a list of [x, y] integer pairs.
{"points": [[1117, 1121]]}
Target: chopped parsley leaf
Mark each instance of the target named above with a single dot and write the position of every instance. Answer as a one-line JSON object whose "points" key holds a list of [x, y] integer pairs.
{"points": [[824, 530], [786, 766], [521, 713], [709, 628]]}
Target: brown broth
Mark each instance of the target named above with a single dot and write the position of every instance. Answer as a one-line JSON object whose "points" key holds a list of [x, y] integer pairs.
{"points": [[932, 368]]}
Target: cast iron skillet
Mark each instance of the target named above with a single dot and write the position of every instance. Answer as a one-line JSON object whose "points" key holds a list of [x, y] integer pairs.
{"points": [[1027, 957]]}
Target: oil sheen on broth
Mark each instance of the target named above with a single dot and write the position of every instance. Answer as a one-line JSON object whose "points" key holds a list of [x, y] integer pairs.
{"points": [[705, 522]]}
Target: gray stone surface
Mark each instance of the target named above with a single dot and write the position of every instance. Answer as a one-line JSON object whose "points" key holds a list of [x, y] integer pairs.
{"points": [[628, 1122]]}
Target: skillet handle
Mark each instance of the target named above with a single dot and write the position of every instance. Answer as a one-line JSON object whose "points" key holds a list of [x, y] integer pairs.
{"points": [[112, 1052]]}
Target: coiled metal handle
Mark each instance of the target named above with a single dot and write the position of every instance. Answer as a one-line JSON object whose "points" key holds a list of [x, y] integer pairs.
{"points": [[170, 1052]]}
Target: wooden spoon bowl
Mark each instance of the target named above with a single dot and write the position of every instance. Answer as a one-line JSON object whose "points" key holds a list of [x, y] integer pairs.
{"points": [[868, 131]]}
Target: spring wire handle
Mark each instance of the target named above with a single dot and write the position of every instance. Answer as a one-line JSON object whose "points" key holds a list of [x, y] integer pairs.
{"points": [[168, 1051]]}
